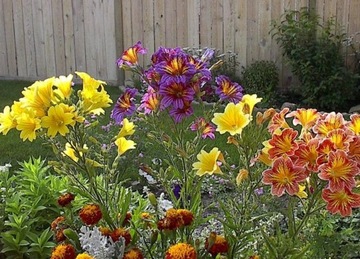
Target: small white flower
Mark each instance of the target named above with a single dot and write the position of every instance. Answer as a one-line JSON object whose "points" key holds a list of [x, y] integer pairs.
{"points": [[164, 204], [148, 177]]}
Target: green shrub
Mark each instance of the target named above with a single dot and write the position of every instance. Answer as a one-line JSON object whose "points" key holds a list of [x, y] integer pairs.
{"points": [[261, 78], [314, 53]]}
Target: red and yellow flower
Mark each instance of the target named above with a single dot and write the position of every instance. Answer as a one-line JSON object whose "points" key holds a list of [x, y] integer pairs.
{"points": [[63, 251], [283, 143], [284, 176], [341, 201], [216, 244]]}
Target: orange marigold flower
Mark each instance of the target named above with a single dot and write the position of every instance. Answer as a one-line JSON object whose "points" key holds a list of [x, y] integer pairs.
{"points": [[90, 214], [84, 256], [341, 201], [284, 176], [63, 251], [121, 232], [65, 199], [105, 231], [127, 218], [216, 244], [59, 235], [133, 253], [181, 251], [187, 216], [56, 222], [283, 143], [339, 171]]}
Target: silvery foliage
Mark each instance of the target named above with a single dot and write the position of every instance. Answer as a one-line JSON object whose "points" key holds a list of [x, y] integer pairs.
{"points": [[100, 246], [5, 168]]}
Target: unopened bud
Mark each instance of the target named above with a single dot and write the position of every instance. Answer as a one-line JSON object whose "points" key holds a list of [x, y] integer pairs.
{"points": [[152, 199]]}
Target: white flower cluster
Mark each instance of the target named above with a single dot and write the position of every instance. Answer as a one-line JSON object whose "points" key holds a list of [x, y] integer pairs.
{"points": [[4, 168], [100, 246]]}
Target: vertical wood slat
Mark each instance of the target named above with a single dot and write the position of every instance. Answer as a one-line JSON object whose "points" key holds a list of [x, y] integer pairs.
{"points": [[90, 47], [29, 37], [181, 23], [69, 43], [58, 31], [217, 36], [205, 24], [79, 35], [3, 55], [110, 40], [170, 23], [39, 39], [49, 38], [159, 19], [264, 39], [10, 37], [193, 20], [241, 33], [229, 25], [99, 40], [19, 38]]}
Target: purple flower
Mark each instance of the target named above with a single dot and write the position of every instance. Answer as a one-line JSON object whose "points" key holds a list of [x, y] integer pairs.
{"points": [[177, 190], [149, 101], [176, 94], [228, 90], [124, 105], [178, 114], [259, 191], [177, 68]]}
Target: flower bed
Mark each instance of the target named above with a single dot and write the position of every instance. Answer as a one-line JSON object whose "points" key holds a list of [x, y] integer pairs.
{"points": [[279, 176]]}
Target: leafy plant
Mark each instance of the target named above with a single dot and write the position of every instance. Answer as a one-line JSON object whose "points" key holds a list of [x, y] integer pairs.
{"points": [[29, 206], [314, 52], [262, 78]]}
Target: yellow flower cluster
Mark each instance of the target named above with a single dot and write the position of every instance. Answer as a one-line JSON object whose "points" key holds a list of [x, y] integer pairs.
{"points": [[47, 105]]}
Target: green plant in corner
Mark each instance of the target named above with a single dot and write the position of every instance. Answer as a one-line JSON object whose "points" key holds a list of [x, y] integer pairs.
{"points": [[314, 52]]}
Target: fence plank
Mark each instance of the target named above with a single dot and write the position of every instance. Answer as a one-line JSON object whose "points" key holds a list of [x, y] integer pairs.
{"points": [[100, 45], [90, 46], [10, 37], [49, 38], [205, 24], [69, 43], [29, 37], [193, 10], [217, 36], [241, 32], [58, 37], [79, 35], [110, 40], [19, 38], [264, 16], [252, 29], [170, 24], [39, 40], [229, 25], [181, 23], [149, 28], [159, 16], [3, 55]]}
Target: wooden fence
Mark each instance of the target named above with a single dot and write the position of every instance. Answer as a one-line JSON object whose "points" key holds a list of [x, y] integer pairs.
{"points": [[42, 38]]}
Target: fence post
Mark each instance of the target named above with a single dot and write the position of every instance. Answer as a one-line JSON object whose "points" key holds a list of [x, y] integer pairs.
{"points": [[119, 38]]}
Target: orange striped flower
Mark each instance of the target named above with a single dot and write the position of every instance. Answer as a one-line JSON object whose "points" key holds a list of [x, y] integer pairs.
{"points": [[305, 117], [278, 121], [307, 154], [329, 122], [340, 138], [341, 201], [339, 171], [354, 124], [284, 176], [283, 143]]}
